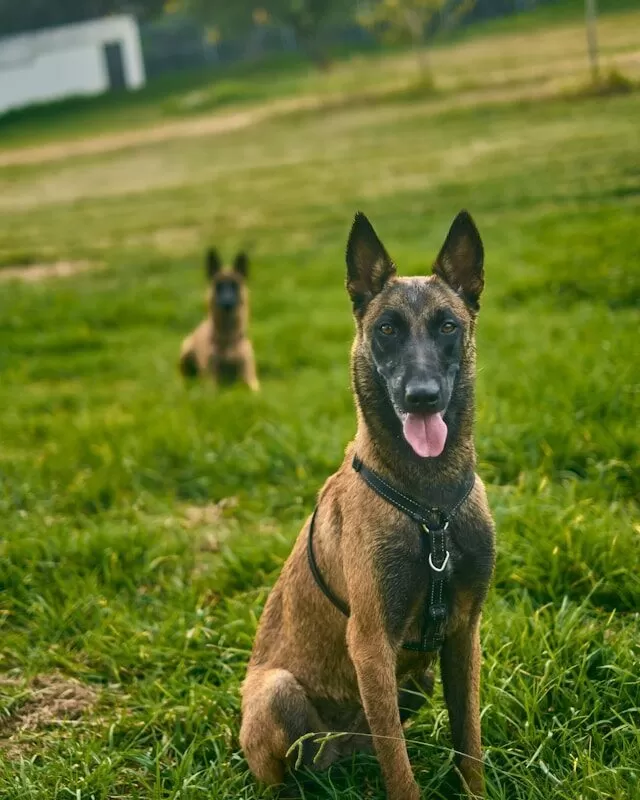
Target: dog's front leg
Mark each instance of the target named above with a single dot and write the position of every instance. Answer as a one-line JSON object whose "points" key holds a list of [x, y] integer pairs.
{"points": [[250, 374], [460, 663], [375, 664]]}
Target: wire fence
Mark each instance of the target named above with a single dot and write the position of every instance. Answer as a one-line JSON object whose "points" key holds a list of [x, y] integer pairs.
{"points": [[179, 43]]}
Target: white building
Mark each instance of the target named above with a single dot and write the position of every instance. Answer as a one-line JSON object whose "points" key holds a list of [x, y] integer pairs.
{"points": [[82, 59]]}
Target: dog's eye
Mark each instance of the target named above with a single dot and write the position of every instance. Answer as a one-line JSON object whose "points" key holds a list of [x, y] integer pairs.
{"points": [[387, 329], [448, 327]]}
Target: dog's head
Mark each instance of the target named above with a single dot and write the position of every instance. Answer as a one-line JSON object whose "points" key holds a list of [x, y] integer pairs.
{"points": [[227, 284], [413, 358]]}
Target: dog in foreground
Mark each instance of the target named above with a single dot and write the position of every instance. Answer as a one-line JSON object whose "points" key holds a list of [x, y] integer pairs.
{"points": [[392, 569], [220, 345]]}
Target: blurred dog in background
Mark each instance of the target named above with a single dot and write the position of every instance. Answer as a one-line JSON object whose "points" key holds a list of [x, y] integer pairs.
{"points": [[220, 345]]}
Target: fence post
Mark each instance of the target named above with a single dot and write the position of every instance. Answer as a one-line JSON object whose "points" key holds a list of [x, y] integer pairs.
{"points": [[591, 14]]}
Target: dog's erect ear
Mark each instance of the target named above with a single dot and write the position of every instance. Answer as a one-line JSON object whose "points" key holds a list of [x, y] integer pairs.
{"points": [[369, 266], [461, 260], [213, 262], [241, 264]]}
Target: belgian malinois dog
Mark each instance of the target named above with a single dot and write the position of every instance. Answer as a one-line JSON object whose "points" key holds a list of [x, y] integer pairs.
{"points": [[220, 346], [392, 569]]}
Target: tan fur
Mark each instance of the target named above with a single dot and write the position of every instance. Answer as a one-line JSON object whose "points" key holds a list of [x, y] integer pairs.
{"points": [[220, 342], [312, 669]]}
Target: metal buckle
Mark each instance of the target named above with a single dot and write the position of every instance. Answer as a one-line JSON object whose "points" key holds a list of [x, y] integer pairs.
{"points": [[443, 523], [442, 567], [438, 612]]}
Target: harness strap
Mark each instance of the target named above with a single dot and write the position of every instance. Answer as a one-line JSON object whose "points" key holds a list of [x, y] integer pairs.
{"points": [[435, 612], [424, 515], [315, 571]]}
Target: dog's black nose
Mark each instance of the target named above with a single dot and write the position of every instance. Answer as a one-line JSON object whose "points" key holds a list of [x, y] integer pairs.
{"points": [[422, 395]]}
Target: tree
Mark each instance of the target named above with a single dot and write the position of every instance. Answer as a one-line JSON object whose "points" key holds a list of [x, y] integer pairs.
{"points": [[306, 18], [413, 21]]}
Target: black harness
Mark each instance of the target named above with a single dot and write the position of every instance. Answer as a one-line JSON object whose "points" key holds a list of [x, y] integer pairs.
{"points": [[434, 523]]}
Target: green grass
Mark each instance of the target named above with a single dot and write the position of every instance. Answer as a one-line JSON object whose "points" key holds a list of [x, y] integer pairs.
{"points": [[107, 574]]}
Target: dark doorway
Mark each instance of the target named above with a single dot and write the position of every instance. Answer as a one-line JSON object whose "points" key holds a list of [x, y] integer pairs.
{"points": [[115, 65]]}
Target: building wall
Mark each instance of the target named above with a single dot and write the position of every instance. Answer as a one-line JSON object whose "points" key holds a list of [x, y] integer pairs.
{"points": [[65, 62]]}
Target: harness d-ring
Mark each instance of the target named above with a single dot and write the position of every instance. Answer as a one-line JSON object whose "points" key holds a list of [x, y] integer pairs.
{"points": [[442, 567]]}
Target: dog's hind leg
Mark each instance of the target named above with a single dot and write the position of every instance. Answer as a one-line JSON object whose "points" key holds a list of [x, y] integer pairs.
{"points": [[413, 693], [188, 362], [460, 660], [276, 713], [189, 365]]}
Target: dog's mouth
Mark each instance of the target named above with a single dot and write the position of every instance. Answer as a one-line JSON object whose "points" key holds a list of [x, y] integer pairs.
{"points": [[426, 434]]}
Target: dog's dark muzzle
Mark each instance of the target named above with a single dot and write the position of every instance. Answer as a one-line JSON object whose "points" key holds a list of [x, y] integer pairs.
{"points": [[227, 295], [227, 300]]}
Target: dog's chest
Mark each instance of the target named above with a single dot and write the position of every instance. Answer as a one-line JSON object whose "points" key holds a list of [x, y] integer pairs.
{"points": [[227, 370], [402, 566]]}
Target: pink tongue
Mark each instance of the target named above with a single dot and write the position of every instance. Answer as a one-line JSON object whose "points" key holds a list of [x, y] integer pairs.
{"points": [[426, 433]]}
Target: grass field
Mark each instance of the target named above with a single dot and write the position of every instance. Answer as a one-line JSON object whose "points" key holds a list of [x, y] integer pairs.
{"points": [[144, 522]]}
